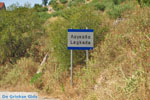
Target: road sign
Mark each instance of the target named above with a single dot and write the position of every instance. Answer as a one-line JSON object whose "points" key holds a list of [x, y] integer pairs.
{"points": [[80, 39]]}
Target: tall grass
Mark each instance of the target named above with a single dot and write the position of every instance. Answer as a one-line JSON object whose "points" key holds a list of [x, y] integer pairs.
{"points": [[124, 56]]}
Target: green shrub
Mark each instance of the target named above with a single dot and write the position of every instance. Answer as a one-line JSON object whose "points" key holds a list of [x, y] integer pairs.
{"points": [[82, 18], [76, 3], [117, 10], [36, 6], [4, 70], [20, 72], [56, 6], [12, 77], [109, 4], [44, 15], [117, 2], [44, 2], [52, 2], [43, 9], [63, 1], [67, 13], [18, 28], [133, 82], [100, 6], [36, 77], [144, 2]]}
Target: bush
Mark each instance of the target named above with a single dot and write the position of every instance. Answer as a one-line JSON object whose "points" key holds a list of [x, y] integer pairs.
{"points": [[67, 13], [58, 34], [44, 15], [56, 6], [37, 6], [144, 2], [52, 2], [12, 77], [18, 29], [42, 9], [21, 72], [63, 1], [117, 10], [4, 70], [116, 2], [76, 2], [100, 6], [109, 4]]}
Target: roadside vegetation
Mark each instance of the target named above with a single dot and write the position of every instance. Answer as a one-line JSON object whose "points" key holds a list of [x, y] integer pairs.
{"points": [[118, 67]]}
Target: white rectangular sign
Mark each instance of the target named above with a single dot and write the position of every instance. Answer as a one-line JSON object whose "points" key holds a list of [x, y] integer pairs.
{"points": [[80, 39]]}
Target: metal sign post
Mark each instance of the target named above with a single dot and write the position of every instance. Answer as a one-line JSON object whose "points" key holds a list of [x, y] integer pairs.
{"points": [[71, 68], [79, 39], [87, 58]]}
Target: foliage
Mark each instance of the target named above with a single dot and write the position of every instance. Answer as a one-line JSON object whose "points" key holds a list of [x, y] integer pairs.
{"points": [[117, 10], [133, 82], [12, 77], [56, 6], [76, 3], [39, 8], [18, 28], [44, 15], [36, 77], [67, 13], [143, 2], [4, 70], [43, 9], [13, 6], [100, 6], [17, 5], [127, 54], [116, 2], [58, 34], [20, 72], [52, 2], [44, 2], [63, 1]]}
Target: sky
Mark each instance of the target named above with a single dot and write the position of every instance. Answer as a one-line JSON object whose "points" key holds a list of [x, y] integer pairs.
{"points": [[21, 2]]}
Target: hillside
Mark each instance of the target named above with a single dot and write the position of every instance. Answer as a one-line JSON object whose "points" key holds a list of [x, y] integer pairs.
{"points": [[34, 55]]}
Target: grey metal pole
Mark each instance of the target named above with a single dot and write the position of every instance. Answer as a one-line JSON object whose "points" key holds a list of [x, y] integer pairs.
{"points": [[87, 58], [71, 68], [87, 55]]}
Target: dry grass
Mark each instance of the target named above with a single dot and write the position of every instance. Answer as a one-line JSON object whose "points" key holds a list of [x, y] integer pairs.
{"points": [[124, 55], [18, 78]]}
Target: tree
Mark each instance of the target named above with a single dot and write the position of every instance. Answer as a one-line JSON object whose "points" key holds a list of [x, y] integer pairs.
{"points": [[18, 29], [44, 2]]}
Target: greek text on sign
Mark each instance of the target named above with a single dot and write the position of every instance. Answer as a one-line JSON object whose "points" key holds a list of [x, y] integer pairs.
{"points": [[80, 39]]}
